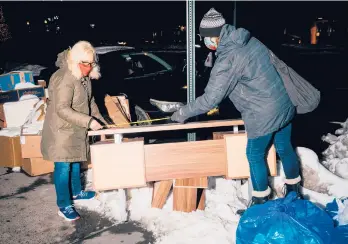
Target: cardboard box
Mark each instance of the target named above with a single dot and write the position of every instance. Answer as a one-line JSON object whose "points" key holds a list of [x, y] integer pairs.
{"points": [[10, 152], [10, 80], [16, 113], [15, 95], [31, 146], [116, 112], [37, 166], [124, 102]]}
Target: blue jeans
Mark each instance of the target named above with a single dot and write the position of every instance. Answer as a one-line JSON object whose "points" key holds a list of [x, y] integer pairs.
{"points": [[257, 153], [67, 182]]}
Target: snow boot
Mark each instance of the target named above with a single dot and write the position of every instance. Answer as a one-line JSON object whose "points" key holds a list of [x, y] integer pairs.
{"points": [[289, 188], [254, 201], [292, 185]]}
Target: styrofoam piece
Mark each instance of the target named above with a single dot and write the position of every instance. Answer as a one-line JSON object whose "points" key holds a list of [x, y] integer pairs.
{"points": [[16, 113]]}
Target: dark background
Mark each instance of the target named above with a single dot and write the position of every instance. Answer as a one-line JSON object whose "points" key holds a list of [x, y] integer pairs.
{"points": [[136, 21]]}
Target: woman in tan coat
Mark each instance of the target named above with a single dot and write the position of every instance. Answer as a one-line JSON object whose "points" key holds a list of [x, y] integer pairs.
{"points": [[71, 111]]}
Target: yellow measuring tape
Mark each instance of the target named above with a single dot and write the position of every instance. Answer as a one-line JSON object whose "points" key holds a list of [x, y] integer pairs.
{"points": [[136, 122]]}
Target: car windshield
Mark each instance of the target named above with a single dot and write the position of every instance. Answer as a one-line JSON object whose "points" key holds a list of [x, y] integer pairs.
{"points": [[143, 64], [130, 64]]}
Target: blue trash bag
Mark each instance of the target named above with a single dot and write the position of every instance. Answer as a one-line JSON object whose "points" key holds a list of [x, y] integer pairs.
{"points": [[285, 220], [332, 208], [340, 234]]}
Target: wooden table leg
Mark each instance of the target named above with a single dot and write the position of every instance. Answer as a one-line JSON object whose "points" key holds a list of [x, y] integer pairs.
{"points": [[189, 194], [185, 199], [160, 194]]}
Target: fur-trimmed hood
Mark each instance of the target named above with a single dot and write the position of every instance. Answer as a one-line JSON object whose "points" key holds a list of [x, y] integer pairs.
{"points": [[70, 58], [62, 58]]}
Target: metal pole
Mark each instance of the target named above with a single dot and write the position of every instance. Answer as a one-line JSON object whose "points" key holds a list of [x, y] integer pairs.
{"points": [[190, 56], [235, 14]]}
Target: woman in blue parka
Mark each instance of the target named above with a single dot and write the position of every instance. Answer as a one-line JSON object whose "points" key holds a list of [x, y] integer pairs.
{"points": [[244, 73]]}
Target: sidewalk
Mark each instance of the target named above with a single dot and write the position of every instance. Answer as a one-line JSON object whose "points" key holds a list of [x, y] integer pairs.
{"points": [[29, 215]]}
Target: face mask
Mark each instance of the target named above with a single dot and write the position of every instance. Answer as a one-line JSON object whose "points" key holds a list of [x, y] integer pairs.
{"points": [[85, 69], [210, 43]]}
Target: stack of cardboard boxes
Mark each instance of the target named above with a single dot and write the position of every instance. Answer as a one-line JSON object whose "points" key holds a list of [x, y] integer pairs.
{"points": [[23, 149], [20, 150]]}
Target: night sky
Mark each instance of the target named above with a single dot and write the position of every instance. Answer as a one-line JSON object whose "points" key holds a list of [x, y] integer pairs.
{"points": [[117, 20], [145, 16]]}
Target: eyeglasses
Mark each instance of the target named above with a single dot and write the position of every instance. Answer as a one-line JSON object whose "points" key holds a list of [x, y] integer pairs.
{"points": [[91, 64]]}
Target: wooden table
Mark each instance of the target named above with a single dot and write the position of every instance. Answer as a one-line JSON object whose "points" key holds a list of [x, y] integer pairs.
{"points": [[183, 166]]}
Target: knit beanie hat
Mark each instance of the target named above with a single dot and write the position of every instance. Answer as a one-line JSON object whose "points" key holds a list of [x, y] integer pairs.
{"points": [[211, 24]]}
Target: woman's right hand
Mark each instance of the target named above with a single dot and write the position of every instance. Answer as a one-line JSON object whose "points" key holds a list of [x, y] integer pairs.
{"points": [[95, 125]]}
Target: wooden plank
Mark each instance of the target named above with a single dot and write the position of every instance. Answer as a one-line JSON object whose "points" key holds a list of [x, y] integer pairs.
{"points": [[237, 162], [168, 127], [220, 134], [185, 199], [198, 182], [117, 166], [160, 193], [201, 197], [185, 160]]}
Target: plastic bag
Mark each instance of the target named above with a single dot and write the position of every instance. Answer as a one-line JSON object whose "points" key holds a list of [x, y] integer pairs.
{"points": [[338, 210], [285, 220], [334, 209]]}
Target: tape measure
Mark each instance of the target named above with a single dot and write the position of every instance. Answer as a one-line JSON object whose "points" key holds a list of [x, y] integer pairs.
{"points": [[136, 122]]}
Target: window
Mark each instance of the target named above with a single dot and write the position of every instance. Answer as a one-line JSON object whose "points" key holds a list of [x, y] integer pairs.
{"points": [[144, 64]]}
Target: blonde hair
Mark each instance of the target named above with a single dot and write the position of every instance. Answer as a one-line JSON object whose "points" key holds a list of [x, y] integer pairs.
{"points": [[83, 51]]}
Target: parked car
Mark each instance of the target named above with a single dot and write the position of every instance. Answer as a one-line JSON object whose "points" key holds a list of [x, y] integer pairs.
{"points": [[144, 76]]}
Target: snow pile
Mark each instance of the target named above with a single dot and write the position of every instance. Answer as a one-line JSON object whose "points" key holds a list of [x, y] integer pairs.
{"points": [[317, 178], [336, 156], [217, 224], [319, 184], [109, 203], [318, 194]]}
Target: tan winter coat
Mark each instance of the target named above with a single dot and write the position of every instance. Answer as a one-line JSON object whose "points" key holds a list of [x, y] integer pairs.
{"points": [[69, 111]]}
